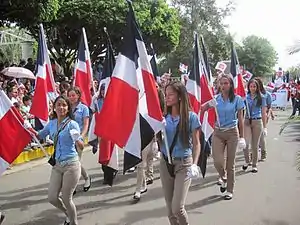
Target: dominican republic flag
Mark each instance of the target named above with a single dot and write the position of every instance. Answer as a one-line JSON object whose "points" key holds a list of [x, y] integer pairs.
{"points": [[199, 91], [131, 114], [236, 74], [207, 118], [13, 136], [108, 151], [154, 63], [44, 83], [83, 76]]}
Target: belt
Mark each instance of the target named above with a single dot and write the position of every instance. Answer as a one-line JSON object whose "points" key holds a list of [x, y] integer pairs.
{"points": [[176, 158], [255, 118], [67, 161], [225, 128]]}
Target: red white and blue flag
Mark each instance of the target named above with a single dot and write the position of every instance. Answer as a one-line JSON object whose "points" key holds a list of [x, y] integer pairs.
{"points": [[83, 76], [13, 136], [131, 113], [236, 73], [44, 80]]}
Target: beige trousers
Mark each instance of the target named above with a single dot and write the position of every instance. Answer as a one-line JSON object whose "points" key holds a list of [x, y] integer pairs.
{"points": [[64, 179], [253, 133], [84, 174], [141, 175], [176, 189], [225, 142]]}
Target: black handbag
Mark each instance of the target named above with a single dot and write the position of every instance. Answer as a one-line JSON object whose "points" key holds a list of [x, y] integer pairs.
{"points": [[52, 160], [171, 167]]}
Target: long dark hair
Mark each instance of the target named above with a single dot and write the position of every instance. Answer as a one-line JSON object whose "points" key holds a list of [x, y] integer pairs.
{"points": [[184, 109], [258, 94], [261, 85], [69, 114], [231, 94]]}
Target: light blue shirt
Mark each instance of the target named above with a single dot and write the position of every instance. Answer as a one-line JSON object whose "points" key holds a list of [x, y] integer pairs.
{"points": [[254, 110], [100, 102], [171, 125], [268, 97], [81, 111], [227, 111], [65, 147]]}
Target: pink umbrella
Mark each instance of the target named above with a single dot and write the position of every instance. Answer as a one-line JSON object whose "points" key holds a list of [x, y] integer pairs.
{"points": [[18, 72]]}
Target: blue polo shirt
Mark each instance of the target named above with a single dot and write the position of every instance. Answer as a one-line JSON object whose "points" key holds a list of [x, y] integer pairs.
{"points": [[227, 111], [268, 98], [65, 147], [253, 108], [81, 111], [171, 124]]}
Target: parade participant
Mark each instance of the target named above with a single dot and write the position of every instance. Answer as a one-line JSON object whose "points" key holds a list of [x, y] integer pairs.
{"points": [[255, 123], [97, 103], [65, 133], [145, 168], [268, 97], [183, 136], [82, 117], [228, 134]]}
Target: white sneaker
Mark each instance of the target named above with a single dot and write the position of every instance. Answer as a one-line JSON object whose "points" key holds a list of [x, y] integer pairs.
{"points": [[220, 181], [254, 169], [228, 196], [137, 196]]}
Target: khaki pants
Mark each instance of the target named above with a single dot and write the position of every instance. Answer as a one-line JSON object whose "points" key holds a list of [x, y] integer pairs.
{"points": [[176, 189], [225, 142], [262, 144], [84, 174], [253, 133], [141, 176], [64, 179], [149, 166]]}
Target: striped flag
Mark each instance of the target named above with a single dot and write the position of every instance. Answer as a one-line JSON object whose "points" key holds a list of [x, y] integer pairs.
{"points": [[13, 136], [83, 77], [131, 115], [236, 74], [44, 80]]}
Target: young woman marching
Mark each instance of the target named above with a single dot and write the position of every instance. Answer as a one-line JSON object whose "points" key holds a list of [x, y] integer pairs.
{"points": [[268, 97], [81, 115], [65, 133], [255, 123], [228, 134], [182, 133]]}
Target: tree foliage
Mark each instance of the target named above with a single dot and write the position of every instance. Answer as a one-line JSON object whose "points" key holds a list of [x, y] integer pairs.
{"points": [[204, 17], [258, 55], [158, 21]]}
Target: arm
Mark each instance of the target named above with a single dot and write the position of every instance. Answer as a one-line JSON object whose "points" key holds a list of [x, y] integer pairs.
{"points": [[85, 128], [264, 116], [196, 145], [241, 123]]}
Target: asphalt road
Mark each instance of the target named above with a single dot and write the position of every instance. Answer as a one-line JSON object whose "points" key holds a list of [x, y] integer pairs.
{"points": [[270, 197]]}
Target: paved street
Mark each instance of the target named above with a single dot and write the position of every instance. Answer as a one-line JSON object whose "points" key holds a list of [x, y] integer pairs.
{"points": [[271, 197]]}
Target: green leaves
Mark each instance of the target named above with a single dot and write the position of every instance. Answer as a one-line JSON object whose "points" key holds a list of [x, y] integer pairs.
{"points": [[258, 55]]}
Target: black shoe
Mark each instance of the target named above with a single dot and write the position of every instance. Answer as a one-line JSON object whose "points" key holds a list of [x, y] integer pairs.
{"points": [[245, 167], [2, 218], [74, 193], [85, 189], [67, 223], [144, 191], [150, 181]]}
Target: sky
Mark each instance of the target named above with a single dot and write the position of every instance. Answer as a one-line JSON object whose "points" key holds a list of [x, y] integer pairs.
{"points": [[277, 21]]}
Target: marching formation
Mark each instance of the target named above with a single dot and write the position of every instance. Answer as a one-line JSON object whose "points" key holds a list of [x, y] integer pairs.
{"points": [[132, 108]]}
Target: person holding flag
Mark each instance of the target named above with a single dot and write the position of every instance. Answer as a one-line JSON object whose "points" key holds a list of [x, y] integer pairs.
{"points": [[228, 133], [82, 117], [183, 136], [65, 133], [255, 123]]}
